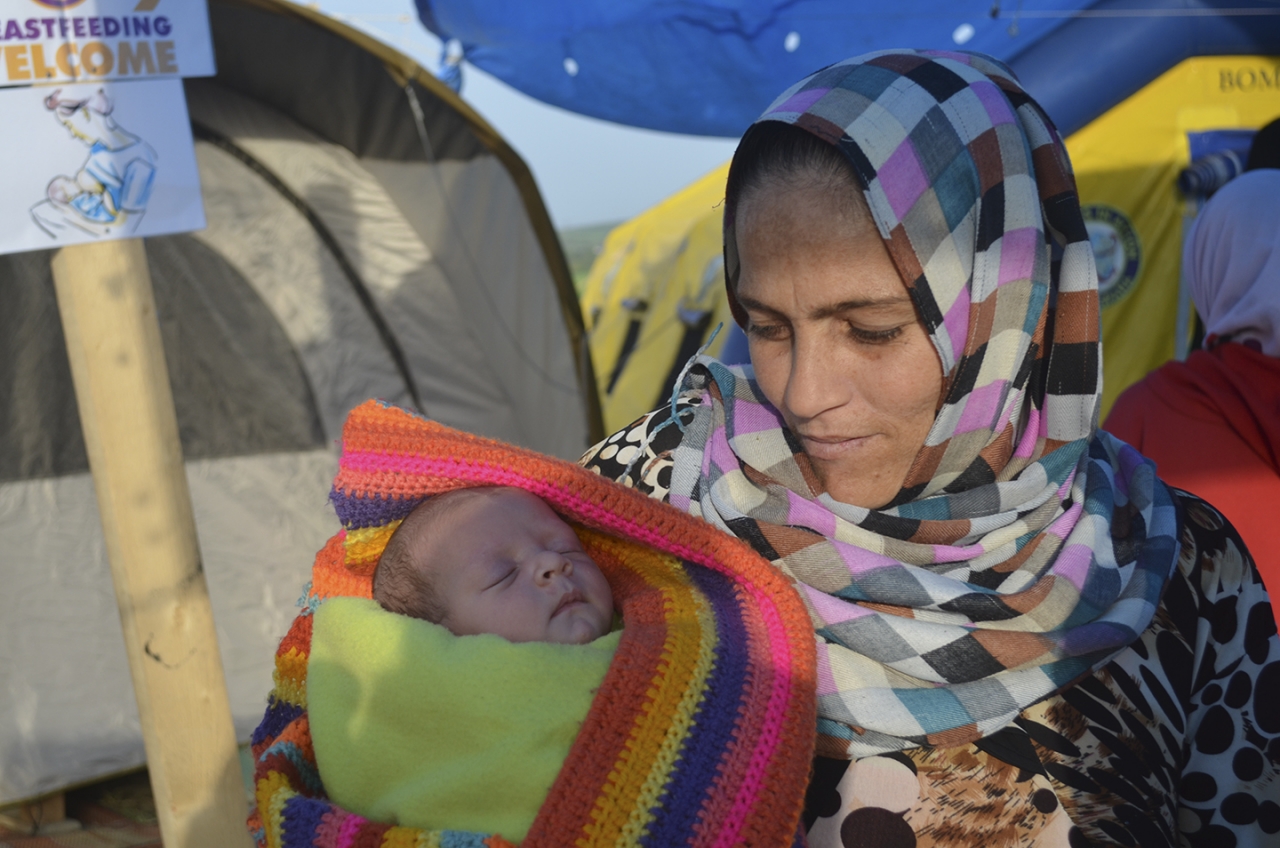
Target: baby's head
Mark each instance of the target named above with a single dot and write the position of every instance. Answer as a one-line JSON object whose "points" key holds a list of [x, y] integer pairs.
{"points": [[494, 560], [62, 189]]}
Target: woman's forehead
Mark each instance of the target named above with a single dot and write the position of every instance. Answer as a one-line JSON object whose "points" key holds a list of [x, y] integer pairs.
{"points": [[790, 244], [804, 214]]}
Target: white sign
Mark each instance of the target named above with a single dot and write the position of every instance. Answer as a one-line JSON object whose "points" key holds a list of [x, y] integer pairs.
{"points": [[96, 162], [57, 41]]}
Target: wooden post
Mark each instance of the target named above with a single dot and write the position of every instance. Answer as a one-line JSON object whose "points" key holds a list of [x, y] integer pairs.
{"points": [[131, 434]]}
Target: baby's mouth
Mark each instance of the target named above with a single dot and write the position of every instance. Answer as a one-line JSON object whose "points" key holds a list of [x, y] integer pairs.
{"points": [[570, 598]]}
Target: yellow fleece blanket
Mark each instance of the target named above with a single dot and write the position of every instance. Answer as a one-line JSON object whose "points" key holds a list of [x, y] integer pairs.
{"points": [[417, 727]]}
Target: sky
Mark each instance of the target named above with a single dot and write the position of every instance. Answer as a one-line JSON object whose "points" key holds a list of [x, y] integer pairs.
{"points": [[589, 171]]}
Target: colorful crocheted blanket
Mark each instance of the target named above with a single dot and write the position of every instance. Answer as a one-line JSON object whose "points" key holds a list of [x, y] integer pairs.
{"points": [[703, 730]]}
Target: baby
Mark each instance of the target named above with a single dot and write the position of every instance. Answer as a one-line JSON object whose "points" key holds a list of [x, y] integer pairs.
{"points": [[494, 560], [414, 726]]}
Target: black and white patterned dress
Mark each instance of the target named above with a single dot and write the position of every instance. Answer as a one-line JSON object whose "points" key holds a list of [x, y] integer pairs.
{"points": [[1175, 742]]}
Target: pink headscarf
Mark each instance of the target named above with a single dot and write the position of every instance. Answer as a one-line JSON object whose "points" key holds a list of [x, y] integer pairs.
{"points": [[1232, 262]]}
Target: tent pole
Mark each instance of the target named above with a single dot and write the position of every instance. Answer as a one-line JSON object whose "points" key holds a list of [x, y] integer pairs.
{"points": [[131, 435]]}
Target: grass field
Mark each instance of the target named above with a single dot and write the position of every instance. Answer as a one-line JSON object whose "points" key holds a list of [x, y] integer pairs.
{"points": [[581, 246]]}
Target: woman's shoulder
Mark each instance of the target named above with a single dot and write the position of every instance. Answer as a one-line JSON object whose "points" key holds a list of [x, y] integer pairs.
{"points": [[639, 455], [1177, 735], [1212, 556], [1215, 589]]}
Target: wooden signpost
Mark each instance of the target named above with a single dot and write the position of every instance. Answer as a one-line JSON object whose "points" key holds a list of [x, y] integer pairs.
{"points": [[131, 435], [101, 155]]}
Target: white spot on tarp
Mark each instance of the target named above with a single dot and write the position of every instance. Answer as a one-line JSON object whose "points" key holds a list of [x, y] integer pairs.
{"points": [[791, 42], [690, 316], [570, 66], [712, 275], [963, 33]]}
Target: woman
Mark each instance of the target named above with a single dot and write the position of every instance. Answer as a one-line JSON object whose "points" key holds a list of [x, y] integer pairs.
{"points": [[1024, 637], [1213, 422]]}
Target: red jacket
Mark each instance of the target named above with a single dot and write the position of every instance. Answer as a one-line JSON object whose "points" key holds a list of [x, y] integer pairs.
{"points": [[1212, 425]]}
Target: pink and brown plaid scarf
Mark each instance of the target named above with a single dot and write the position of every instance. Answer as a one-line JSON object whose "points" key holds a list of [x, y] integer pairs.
{"points": [[1026, 548]]}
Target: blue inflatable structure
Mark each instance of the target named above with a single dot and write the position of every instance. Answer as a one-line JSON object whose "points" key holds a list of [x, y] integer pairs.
{"points": [[709, 67]]}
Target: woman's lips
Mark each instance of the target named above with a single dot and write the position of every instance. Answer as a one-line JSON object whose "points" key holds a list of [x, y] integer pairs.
{"points": [[831, 447]]}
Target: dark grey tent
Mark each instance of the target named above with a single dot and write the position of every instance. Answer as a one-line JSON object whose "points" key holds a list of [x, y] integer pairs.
{"points": [[369, 236]]}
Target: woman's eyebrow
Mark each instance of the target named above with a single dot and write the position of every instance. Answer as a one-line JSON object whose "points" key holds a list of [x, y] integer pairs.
{"points": [[865, 303], [834, 308], [752, 303]]}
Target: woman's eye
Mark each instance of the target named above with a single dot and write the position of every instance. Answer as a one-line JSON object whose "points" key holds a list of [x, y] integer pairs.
{"points": [[874, 336], [767, 332]]}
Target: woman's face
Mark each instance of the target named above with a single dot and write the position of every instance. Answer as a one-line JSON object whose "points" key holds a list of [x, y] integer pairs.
{"points": [[834, 339]]}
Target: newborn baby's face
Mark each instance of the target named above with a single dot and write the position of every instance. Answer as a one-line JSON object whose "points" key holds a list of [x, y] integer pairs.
{"points": [[507, 564]]}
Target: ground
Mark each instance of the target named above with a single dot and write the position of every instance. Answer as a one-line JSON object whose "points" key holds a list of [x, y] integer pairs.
{"points": [[117, 813]]}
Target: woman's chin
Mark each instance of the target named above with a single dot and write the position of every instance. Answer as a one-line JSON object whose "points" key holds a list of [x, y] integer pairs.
{"points": [[867, 499], [852, 481]]}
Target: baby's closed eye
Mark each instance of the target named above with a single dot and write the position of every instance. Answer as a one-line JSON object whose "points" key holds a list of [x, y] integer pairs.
{"points": [[504, 576]]}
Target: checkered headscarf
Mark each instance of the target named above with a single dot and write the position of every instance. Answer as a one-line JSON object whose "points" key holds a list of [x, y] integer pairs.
{"points": [[1026, 548]]}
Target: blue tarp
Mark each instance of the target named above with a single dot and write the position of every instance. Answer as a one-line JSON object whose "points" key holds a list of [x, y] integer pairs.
{"points": [[709, 67]]}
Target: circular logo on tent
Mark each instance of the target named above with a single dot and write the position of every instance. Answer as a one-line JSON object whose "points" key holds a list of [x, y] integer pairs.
{"points": [[58, 4], [1116, 251]]}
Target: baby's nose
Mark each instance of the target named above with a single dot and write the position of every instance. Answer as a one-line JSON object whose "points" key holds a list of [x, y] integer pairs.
{"points": [[551, 563]]}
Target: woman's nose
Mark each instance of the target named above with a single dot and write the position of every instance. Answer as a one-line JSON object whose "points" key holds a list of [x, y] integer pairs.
{"points": [[812, 385]]}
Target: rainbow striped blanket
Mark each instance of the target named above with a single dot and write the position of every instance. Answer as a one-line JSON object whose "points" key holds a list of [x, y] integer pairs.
{"points": [[703, 729]]}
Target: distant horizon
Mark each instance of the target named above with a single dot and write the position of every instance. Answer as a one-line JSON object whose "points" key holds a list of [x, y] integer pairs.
{"points": [[589, 172], [608, 224]]}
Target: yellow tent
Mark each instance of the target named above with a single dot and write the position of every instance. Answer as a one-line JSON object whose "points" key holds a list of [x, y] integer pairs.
{"points": [[656, 291], [654, 295], [1127, 163]]}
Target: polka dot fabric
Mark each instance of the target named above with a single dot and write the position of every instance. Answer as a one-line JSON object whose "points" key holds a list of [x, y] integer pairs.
{"points": [[1175, 742]]}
